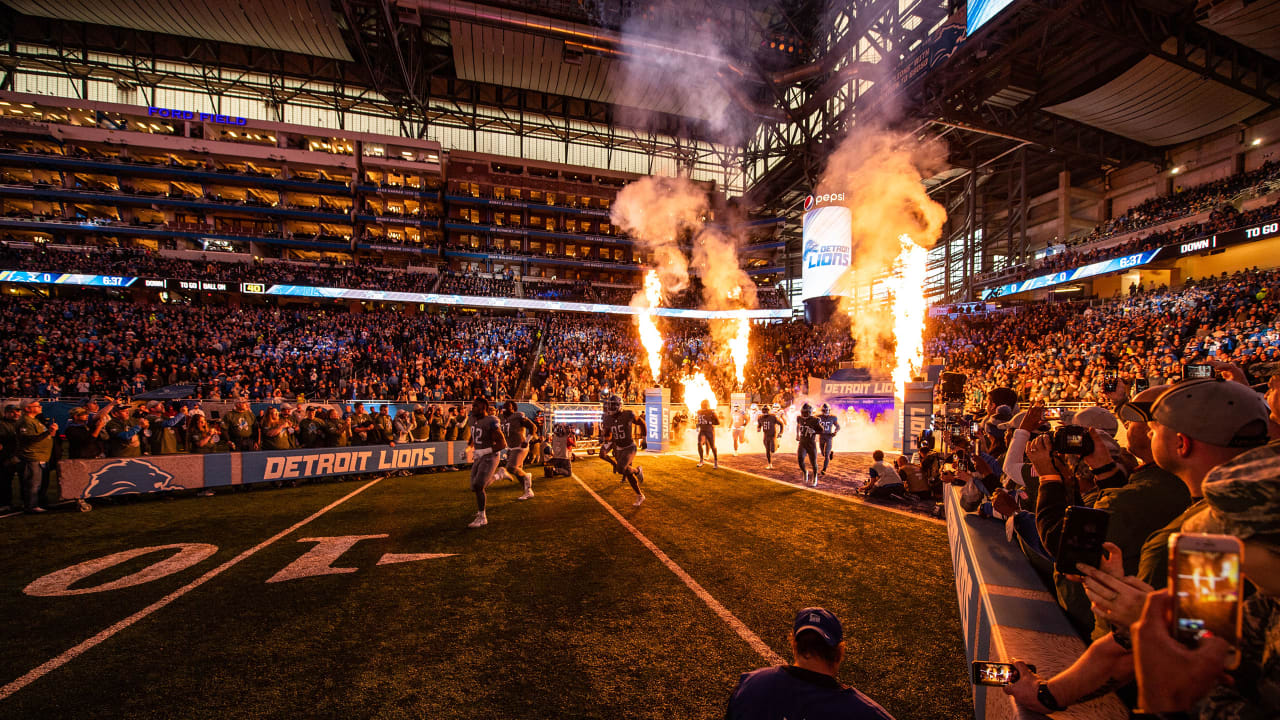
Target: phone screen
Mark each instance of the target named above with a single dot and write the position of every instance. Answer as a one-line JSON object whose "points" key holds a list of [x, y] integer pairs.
{"points": [[1194, 372], [1206, 583], [1053, 413], [1083, 531], [995, 673]]}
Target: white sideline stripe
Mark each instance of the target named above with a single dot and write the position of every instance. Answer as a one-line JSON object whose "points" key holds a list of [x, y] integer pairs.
{"points": [[828, 493], [729, 618], [106, 634]]}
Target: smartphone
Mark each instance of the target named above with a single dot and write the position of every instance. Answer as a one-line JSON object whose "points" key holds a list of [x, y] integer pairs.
{"points": [[1140, 384], [1109, 381], [1084, 529], [1204, 572], [996, 673], [1196, 372]]}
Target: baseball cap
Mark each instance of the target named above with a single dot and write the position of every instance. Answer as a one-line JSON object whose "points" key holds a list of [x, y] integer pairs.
{"points": [[1003, 414], [821, 621], [1243, 496], [1016, 422], [1097, 418], [1213, 411], [1139, 408]]}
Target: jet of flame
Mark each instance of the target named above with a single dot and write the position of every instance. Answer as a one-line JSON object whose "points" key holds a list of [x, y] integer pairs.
{"points": [[907, 286], [697, 389], [650, 336], [739, 347]]}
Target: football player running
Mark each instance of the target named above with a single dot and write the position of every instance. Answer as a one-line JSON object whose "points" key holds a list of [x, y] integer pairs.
{"points": [[771, 424], [807, 431], [615, 428], [830, 426], [740, 420]]}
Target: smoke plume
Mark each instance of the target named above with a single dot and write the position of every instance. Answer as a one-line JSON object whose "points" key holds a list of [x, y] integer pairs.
{"points": [[657, 212], [880, 172]]}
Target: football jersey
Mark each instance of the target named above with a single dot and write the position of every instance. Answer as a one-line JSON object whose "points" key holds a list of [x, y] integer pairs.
{"points": [[514, 426], [807, 429], [770, 424], [739, 419], [830, 425], [707, 421], [484, 431], [616, 428]]}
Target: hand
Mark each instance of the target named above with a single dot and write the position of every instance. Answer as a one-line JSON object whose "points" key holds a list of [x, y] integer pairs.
{"points": [[982, 466], [1171, 676], [1003, 503], [1033, 418], [1120, 393], [1038, 452], [1116, 598], [1100, 455], [53, 428], [1026, 688], [1230, 371]]}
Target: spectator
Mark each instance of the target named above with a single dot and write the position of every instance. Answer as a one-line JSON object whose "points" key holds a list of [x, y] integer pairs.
{"points": [[35, 448], [10, 463]]}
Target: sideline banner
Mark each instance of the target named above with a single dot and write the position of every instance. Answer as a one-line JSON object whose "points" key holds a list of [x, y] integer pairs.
{"points": [[107, 477]]}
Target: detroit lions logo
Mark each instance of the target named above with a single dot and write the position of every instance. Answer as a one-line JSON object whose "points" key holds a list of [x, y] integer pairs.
{"points": [[127, 477], [811, 246]]}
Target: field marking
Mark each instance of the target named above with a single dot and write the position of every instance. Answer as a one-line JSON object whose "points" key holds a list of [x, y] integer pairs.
{"points": [[828, 493], [106, 634], [729, 618]]}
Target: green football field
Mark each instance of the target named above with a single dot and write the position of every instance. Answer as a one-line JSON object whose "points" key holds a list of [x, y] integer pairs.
{"points": [[559, 608]]}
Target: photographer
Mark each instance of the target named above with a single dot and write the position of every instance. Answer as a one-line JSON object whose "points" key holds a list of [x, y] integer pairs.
{"points": [[277, 431], [123, 431], [201, 438], [85, 434]]}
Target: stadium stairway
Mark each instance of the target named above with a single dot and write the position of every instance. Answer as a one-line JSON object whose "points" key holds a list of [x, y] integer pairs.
{"points": [[526, 377], [1007, 612]]}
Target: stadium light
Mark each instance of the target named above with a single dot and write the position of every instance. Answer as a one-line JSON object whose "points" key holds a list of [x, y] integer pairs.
{"points": [[1176, 170], [1256, 142]]}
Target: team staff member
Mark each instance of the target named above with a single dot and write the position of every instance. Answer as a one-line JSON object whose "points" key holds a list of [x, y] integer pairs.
{"points": [[707, 421], [520, 431], [808, 688], [241, 426], [807, 431], [486, 442], [830, 426], [35, 448], [771, 425], [615, 428], [739, 420]]}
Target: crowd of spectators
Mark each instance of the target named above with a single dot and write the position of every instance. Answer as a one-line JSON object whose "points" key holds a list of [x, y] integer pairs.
{"points": [[1210, 197], [585, 356], [578, 291], [1060, 353], [94, 347], [464, 283]]}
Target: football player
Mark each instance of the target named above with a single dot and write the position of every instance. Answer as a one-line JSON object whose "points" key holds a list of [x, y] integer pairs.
{"points": [[830, 426], [615, 428], [807, 431], [771, 424]]}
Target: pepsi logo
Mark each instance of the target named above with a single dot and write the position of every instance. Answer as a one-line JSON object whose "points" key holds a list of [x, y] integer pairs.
{"points": [[812, 200]]}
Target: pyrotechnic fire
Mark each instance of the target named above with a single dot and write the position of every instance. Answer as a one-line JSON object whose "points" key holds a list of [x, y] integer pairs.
{"points": [[907, 284], [697, 389], [650, 336], [739, 346]]}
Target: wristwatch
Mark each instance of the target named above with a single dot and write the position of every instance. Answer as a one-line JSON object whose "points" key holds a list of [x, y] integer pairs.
{"points": [[1047, 699]]}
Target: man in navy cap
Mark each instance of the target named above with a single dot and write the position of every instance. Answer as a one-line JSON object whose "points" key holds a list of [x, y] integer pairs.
{"points": [[807, 688]]}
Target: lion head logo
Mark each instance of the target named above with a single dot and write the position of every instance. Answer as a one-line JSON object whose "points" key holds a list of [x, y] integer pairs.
{"points": [[128, 476]]}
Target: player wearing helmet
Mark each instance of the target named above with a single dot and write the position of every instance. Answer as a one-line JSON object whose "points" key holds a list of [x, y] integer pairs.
{"points": [[807, 431], [739, 419], [707, 422], [615, 428], [483, 447], [520, 431], [771, 424], [830, 426]]}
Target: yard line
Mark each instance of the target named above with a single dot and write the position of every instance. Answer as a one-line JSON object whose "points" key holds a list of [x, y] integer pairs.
{"points": [[828, 493], [106, 634], [730, 619]]}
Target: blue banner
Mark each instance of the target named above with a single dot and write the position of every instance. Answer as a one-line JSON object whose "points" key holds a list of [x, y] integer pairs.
{"points": [[1087, 271], [270, 465]]}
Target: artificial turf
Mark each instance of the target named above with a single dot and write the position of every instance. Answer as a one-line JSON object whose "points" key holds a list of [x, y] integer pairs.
{"points": [[552, 611]]}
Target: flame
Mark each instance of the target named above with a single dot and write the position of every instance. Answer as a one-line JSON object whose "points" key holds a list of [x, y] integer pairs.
{"points": [[907, 285], [650, 336], [697, 389], [739, 347]]}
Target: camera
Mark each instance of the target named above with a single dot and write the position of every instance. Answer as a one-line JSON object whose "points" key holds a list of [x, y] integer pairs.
{"points": [[926, 441], [1196, 371], [953, 386], [1072, 440]]}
